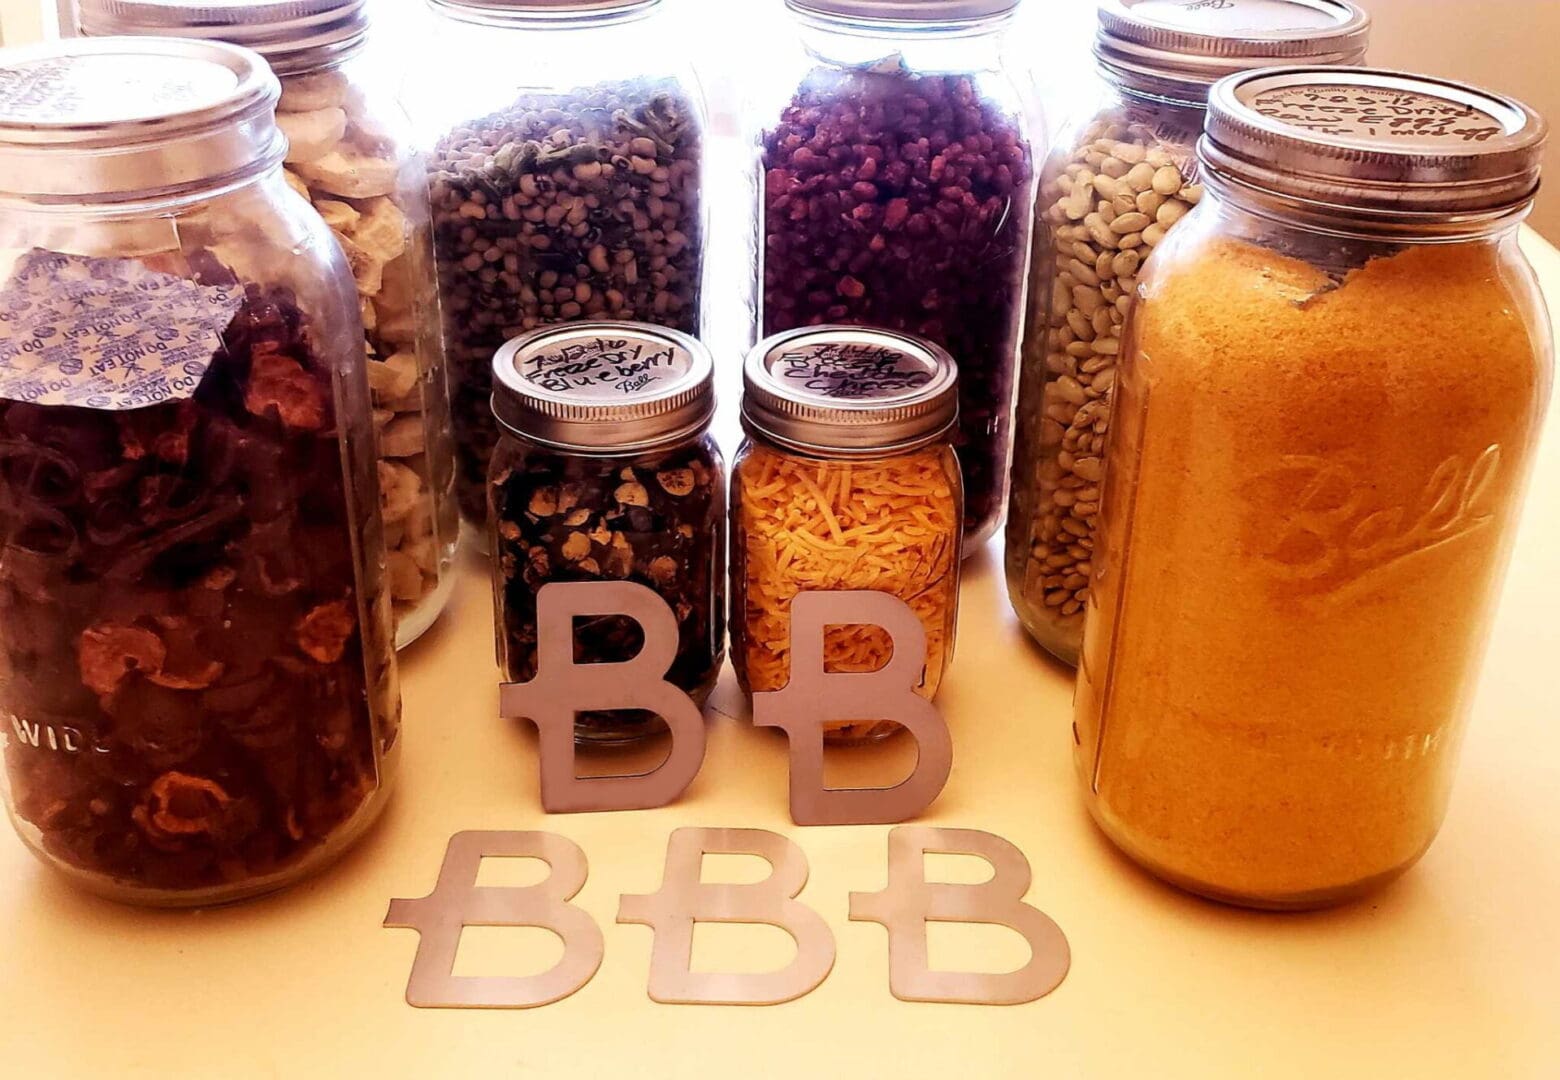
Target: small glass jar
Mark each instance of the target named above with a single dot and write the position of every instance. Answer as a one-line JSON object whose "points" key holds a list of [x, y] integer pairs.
{"points": [[1328, 401], [1120, 177], [565, 186], [847, 480], [606, 471], [896, 192], [350, 155], [197, 673]]}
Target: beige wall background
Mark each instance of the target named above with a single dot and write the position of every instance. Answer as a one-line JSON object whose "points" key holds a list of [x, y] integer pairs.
{"points": [[1508, 45]]}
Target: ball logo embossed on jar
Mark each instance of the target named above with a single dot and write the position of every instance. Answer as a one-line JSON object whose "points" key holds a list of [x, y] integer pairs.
{"points": [[1340, 534]]}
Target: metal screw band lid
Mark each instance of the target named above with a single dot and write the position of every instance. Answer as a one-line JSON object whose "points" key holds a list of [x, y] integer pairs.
{"points": [[850, 390], [603, 387], [293, 35], [502, 10], [907, 11], [1372, 141], [117, 118], [1179, 48]]}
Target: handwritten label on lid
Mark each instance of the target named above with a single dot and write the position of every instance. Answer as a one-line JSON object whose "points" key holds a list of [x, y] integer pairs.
{"points": [[106, 88], [1410, 119], [1230, 17], [850, 371], [106, 334], [606, 367]]}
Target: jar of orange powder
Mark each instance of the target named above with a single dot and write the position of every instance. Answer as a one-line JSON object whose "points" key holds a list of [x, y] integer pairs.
{"points": [[847, 480], [1328, 399]]}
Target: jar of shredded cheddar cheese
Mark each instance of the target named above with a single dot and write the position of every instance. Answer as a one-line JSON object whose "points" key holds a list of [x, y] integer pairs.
{"points": [[847, 481]]}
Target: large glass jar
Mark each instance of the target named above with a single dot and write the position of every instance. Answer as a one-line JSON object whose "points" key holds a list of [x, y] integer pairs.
{"points": [[197, 674], [1121, 175], [606, 471], [1327, 405], [847, 480], [896, 191], [566, 149], [350, 155]]}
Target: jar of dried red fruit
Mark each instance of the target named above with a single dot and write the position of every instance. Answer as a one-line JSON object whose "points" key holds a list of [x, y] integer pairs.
{"points": [[198, 695], [606, 471], [896, 194], [350, 154]]}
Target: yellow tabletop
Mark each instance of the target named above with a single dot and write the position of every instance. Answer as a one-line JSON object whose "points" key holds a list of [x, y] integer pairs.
{"points": [[1450, 972]]}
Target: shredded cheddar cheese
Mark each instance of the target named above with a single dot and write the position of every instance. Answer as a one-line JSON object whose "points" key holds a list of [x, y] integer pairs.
{"points": [[803, 524]]}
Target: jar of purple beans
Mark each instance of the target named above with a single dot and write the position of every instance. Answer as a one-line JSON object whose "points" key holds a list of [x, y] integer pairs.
{"points": [[896, 192], [198, 695]]}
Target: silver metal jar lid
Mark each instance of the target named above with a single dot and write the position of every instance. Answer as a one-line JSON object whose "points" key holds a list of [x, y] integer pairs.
{"points": [[600, 387], [114, 118], [499, 10], [907, 11], [1373, 142], [844, 389], [293, 35], [1179, 48]]}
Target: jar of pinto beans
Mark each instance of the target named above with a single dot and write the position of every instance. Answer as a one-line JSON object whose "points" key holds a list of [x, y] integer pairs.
{"points": [[896, 193], [1121, 176]]}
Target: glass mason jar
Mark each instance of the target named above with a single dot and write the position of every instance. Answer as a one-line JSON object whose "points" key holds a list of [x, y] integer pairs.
{"points": [[197, 672], [1119, 178], [1326, 411], [896, 193], [564, 187], [350, 155], [606, 471], [847, 480]]}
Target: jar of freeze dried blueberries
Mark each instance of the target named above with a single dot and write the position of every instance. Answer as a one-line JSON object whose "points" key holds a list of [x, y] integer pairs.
{"points": [[198, 695], [847, 481], [1121, 177], [896, 193], [565, 143], [350, 154], [605, 471]]}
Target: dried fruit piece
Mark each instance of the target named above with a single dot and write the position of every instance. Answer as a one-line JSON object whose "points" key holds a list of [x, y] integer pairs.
{"points": [[279, 384], [110, 651], [367, 268], [319, 90], [677, 482], [323, 633], [403, 437], [339, 216], [381, 229], [349, 174], [178, 804], [394, 377], [312, 134]]}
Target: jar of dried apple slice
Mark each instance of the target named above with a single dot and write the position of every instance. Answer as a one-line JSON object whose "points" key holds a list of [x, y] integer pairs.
{"points": [[349, 155], [198, 693]]}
